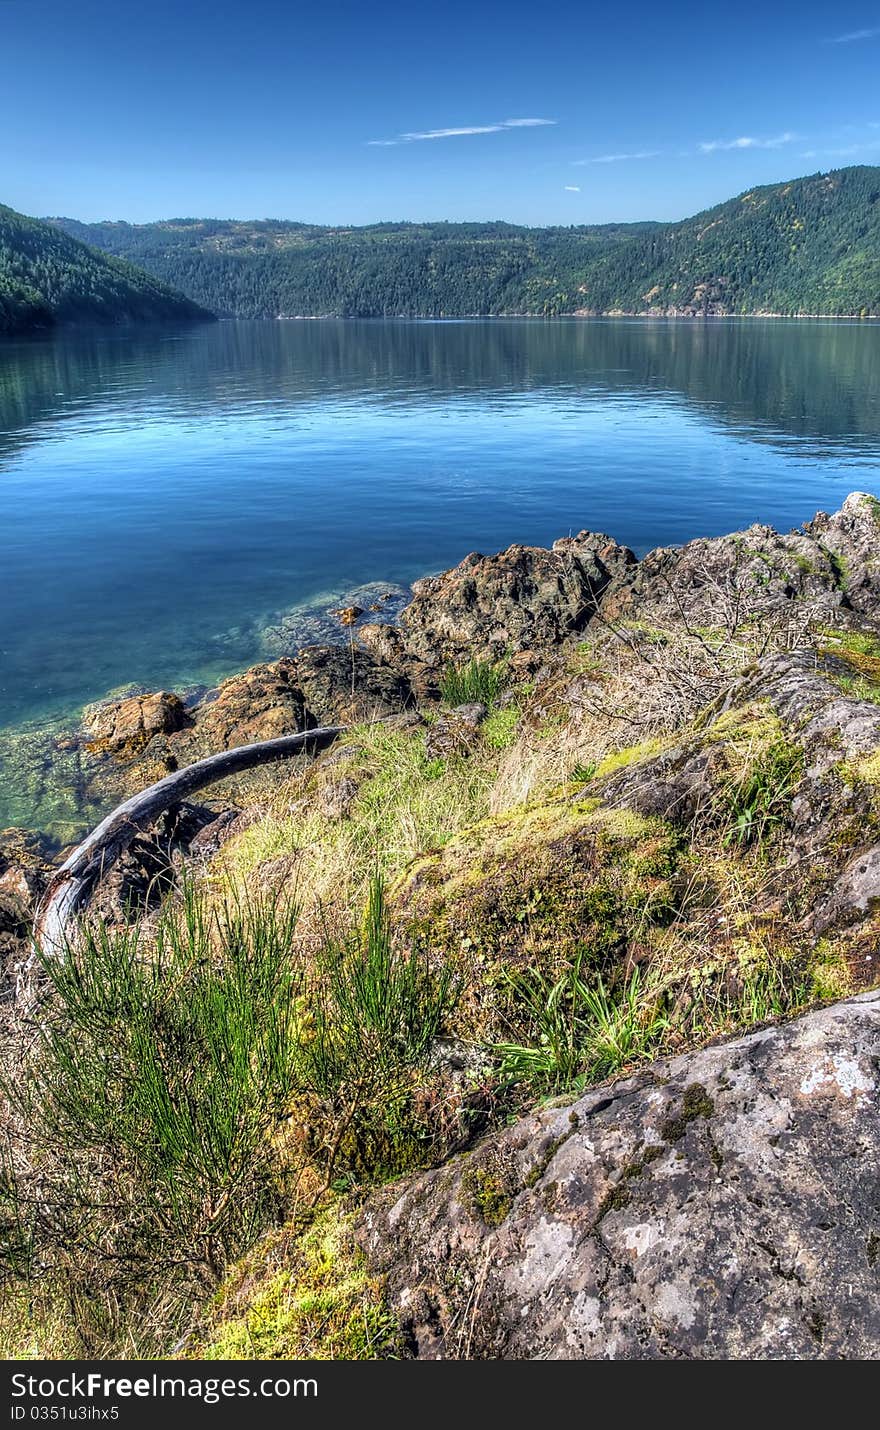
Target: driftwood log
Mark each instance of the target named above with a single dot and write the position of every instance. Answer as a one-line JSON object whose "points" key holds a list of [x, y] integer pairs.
{"points": [[70, 890]]}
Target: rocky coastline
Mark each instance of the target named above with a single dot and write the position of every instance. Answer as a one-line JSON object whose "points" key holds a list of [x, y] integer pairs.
{"points": [[723, 838]]}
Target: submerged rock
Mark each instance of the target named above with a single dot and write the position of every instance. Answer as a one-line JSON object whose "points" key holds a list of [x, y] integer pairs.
{"points": [[721, 1205]]}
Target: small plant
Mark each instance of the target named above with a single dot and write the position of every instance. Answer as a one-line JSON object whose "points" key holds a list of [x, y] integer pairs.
{"points": [[477, 682], [582, 1031], [757, 800], [499, 728], [859, 687], [773, 991], [375, 1017]]}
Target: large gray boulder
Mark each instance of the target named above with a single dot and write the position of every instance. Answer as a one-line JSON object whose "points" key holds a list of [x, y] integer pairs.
{"points": [[721, 1205]]}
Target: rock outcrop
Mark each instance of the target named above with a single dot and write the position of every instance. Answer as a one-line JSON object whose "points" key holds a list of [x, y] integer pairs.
{"points": [[342, 685], [127, 726], [721, 1205], [829, 568], [525, 598], [25, 869], [261, 704]]}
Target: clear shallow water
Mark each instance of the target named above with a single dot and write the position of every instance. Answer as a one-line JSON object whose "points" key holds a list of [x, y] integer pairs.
{"points": [[164, 496]]}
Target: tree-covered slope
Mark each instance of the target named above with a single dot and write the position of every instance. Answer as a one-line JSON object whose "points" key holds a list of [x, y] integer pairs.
{"points": [[275, 269], [808, 246], [48, 277]]}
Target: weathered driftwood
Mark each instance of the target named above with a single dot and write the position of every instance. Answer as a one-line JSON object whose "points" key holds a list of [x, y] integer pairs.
{"points": [[69, 892]]}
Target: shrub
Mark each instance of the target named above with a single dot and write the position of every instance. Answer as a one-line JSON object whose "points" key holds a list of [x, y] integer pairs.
{"points": [[158, 1072], [148, 1109]]}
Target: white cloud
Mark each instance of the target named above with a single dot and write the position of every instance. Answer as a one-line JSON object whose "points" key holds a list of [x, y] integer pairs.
{"points": [[416, 136], [847, 152], [618, 158], [572, 188], [452, 133], [851, 35], [746, 141]]}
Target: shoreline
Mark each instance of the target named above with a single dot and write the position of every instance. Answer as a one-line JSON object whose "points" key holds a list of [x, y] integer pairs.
{"points": [[61, 779], [138, 329], [581, 315]]}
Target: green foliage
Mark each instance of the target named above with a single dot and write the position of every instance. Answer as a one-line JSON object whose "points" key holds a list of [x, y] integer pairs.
{"points": [[808, 246], [859, 687], [757, 798], [149, 1108], [47, 277], [157, 1076], [765, 983], [499, 728], [582, 1030], [477, 682], [374, 1019]]}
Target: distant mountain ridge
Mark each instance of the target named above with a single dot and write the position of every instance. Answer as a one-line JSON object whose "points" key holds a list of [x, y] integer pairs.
{"points": [[49, 277], [809, 246]]}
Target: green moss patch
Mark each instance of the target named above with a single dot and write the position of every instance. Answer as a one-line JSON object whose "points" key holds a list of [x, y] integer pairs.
{"points": [[631, 755], [321, 1303], [540, 887], [695, 1103]]}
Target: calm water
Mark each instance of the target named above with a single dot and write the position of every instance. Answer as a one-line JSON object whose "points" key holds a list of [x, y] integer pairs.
{"points": [[165, 496]]}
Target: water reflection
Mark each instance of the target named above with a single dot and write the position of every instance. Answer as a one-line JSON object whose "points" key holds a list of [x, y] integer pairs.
{"points": [[164, 495]]}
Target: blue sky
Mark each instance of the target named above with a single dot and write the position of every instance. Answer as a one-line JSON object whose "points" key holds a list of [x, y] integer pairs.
{"points": [[538, 113]]}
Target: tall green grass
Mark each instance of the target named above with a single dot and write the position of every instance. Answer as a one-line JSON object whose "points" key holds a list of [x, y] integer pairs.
{"points": [[375, 1018], [180, 1083], [581, 1031], [477, 682]]}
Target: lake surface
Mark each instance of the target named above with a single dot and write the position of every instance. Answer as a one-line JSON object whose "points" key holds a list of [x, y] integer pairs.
{"points": [[166, 497]]}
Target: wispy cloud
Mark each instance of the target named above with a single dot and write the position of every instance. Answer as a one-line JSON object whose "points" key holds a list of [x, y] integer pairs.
{"points": [[848, 151], [572, 188], [851, 35], [618, 158], [746, 141], [416, 136]]}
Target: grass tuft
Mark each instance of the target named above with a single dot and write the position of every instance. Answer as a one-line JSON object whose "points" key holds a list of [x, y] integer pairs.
{"points": [[581, 1030], [477, 682]]}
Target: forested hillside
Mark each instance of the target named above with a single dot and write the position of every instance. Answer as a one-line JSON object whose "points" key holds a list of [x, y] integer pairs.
{"points": [[47, 277], [275, 269], [808, 246]]}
